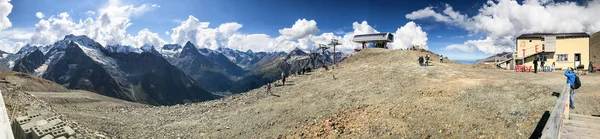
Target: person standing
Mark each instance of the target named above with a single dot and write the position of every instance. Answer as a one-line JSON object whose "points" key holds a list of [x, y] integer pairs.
{"points": [[535, 64], [571, 75], [542, 63], [269, 88], [591, 67], [553, 66], [441, 58], [283, 78], [421, 60], [427, 60]]}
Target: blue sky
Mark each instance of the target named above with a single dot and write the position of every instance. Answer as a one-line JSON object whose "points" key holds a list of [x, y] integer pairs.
{"points": [[269, 16]]}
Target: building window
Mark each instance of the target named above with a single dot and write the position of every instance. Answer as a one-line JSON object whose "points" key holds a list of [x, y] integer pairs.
{"points": [[529, 40], [562, 57]]}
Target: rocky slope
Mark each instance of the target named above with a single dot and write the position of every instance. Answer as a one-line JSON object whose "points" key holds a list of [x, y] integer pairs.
{"points": [[365, 97], [595, 48]]}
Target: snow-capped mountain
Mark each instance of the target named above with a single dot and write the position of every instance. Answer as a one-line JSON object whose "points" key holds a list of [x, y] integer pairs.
{"points": [[243, 59], [78, 62], [172, 47], [122, 49], [145, 74], [210, 69]]}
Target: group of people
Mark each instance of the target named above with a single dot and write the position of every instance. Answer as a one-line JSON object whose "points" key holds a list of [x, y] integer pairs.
{"points": [[542, 60], [424, 61], [302, 71]]}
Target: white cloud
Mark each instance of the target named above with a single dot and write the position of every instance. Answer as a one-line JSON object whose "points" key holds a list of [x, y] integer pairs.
{"points": [[300, 29], [39, 15], [499, 20], [90, 13], [188, 30], [489, 45], [458, 47], [5, 9], [145, 36], [363, 28], [108, 28], [409, 35], [13, 39]]}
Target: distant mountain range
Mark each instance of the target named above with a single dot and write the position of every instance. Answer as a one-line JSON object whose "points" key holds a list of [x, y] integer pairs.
{"points": [[466, 61], [493, 58], [168, 75]]}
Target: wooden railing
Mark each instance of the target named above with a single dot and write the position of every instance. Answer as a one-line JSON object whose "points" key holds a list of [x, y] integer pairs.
{"points": [[559, 115], [529, 51]]}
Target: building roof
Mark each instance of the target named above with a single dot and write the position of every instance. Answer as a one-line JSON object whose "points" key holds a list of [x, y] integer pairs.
{"points": [[374, 34], [375, 37], [558, 35]]}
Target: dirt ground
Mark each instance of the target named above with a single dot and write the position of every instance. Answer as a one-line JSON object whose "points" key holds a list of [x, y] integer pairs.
{"points": [[375, 94]]}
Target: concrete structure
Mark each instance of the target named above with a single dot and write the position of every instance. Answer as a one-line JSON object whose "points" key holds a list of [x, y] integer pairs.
{"points": [[35, 126], [379, 40], [565, 49]]}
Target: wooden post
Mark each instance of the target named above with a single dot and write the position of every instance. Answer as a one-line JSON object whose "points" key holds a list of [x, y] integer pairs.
{"points": [[558, 116]]}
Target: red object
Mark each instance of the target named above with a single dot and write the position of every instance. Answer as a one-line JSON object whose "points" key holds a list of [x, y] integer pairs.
{"points": [[529, 69], [536, 48], [523, 52]]}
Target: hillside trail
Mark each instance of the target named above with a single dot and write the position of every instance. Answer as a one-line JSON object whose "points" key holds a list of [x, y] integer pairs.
{"points": [[376, 93]]}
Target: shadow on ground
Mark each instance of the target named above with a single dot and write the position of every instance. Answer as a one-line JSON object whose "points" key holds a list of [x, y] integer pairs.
{"points": [[537, 132]]}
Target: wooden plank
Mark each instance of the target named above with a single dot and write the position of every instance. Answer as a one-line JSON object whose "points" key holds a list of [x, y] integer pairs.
{"points": [[573, 136], [583, 124], [5, 129], [584, 117], [588, 121], [583, 132], [559, 114]]}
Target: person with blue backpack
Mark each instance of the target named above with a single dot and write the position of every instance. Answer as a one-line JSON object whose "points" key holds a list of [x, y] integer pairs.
{"points": [[574, 83]]}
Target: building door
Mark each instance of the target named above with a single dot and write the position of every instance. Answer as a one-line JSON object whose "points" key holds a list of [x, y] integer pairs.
{"points": [[577, 60]]}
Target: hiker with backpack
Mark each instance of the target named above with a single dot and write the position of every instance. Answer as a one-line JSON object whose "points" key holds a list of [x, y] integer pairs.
{"points": [[574, 83], [421, 60]]}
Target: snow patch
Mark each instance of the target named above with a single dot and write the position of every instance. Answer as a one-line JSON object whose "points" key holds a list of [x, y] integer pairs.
{"points": [[40, 70], [11, 64], [99, 56]]}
